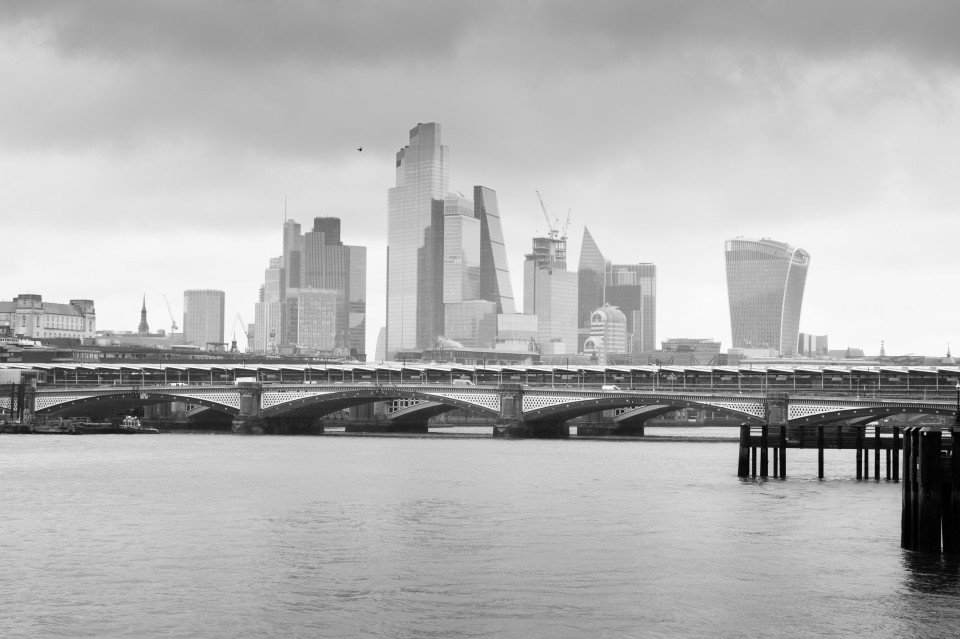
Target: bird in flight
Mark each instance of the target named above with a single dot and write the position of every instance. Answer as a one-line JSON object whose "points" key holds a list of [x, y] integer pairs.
{"points": [[360, 149]]}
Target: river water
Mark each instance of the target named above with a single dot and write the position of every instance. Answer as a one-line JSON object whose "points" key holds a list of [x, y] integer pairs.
{"points": [[182, 535]]}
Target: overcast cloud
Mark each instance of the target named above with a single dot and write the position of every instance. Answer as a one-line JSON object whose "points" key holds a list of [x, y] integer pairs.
{"points": [[148, 147]]}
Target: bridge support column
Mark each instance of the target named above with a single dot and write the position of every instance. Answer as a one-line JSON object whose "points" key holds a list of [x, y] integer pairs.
{"points": [[23, 400], [249, 421], [510, 423]]}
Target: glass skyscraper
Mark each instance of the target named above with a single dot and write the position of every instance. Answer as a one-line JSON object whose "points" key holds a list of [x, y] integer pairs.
{"points": [[630, 287], [765, 281], [494, 273], [591, 274], [415, 242], [550, 293], [315, 261], [203, 317]]}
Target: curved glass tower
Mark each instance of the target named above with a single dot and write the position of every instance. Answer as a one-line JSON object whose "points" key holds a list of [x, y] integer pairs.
{"points": [[765, 280]]}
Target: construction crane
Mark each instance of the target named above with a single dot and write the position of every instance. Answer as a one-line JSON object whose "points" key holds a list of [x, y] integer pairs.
{"points": [[243, 327], [553, 232], [566, 225], [173, 322]]}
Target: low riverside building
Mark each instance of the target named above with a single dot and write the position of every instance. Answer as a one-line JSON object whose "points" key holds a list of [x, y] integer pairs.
{"points": [[29, 317]]}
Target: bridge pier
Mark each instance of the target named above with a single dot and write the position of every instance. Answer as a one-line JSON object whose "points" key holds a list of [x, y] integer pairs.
{"points": [[249, 421], [293, 426]]}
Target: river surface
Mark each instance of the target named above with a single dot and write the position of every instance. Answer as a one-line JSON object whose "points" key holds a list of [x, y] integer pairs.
{"points": [[184, 535]]}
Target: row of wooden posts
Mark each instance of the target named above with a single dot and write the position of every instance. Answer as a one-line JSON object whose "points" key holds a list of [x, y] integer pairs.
{"points": [[930, 516], [776, 438]]}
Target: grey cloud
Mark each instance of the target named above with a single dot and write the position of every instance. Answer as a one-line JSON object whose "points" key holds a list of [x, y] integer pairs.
{"points": [[367, 32], [225, 32], [923, 29]]}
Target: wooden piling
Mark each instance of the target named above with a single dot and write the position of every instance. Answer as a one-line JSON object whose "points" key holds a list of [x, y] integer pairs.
{"points": [[887, 452], [914, 486], [783, 451], [753, 459], [764, 453], [876, 452], [820, 451], [866, 452], [896, 453], [743, 467], [906, 509], [930, 491], [951, 536], [859, 445]]}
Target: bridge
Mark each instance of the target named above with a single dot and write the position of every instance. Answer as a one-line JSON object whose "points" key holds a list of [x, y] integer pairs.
{"points": [[517, 410]]}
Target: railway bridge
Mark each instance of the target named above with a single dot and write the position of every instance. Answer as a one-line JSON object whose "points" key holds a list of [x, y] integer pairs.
{"points": [[517, 410]]}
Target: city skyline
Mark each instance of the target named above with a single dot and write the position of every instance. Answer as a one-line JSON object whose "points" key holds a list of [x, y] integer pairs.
{"points": [[168, 167]]}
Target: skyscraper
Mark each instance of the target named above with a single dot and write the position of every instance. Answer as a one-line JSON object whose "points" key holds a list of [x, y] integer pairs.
{"points": [[591, 274], [550, 293], [765, 281], [633, 289], [494, 273], [415, 249], [203, 317], [461, 251], [630, 287], [268, 311], [315, 261]]}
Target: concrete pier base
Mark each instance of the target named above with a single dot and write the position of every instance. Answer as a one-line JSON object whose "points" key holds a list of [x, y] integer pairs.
{"points": [[247, 425]]}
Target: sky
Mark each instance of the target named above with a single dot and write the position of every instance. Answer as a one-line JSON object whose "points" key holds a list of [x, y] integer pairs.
{"points": [[156, 146]]}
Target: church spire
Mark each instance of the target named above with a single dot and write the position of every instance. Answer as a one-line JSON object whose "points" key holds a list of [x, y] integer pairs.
{"points": [[144, 328]]}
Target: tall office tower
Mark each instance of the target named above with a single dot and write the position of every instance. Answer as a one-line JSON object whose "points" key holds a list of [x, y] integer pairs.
{"points": [[357, 304], [203, 317], [472, 323], [311, 317], [550, 293], [467, 319], [630, 287], [326, 265], [765, 281], [415, 242], [292, 267], [591, 274], [494, 272], [461, 251], [268, 312], [633, 289], [323, 262], [292, 253]]}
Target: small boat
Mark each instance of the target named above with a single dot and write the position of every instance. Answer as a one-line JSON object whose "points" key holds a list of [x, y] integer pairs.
{"points": [[132, 425]]}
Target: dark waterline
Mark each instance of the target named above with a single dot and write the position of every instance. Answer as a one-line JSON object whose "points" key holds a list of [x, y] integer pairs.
{"points": [[203, 536]]}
